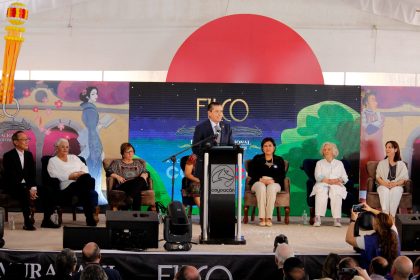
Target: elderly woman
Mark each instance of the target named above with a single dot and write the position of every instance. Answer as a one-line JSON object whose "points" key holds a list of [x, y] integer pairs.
{"points": [[74, 179], [391, 175], [267, 173], [382, 242], [131, 174], [330, 177]]}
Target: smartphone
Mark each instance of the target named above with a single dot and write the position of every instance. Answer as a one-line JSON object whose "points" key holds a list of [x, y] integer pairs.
{"points": [[349, 271], [358, 208]]}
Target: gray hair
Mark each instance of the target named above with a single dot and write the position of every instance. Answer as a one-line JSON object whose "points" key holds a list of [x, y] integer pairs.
{"points": [[65, 262], [282, 253], [333, 146], [61, 140], [93, 272]]}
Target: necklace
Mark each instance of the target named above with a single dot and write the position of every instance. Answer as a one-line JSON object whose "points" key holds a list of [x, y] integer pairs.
{"points": [[269, 163], [392, 169]]}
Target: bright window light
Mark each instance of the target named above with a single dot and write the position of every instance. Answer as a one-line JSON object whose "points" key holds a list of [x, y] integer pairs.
{"points": [[380, 79], [66, 75], [135, 76], [333, 78]]}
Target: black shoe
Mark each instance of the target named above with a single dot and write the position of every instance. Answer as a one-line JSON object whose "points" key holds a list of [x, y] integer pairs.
{"points": [[29, 227], [49, 224]]}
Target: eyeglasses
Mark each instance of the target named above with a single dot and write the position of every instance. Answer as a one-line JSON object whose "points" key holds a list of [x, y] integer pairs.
{"points": [[129, 152], [24, 139]]}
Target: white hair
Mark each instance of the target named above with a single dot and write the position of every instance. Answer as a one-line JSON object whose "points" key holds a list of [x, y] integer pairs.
{"points": [[283, 252], [61, 140], [333, 146]]}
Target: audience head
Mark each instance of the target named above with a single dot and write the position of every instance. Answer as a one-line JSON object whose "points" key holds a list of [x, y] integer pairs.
{"points": [[62, 146], [416, 266], [188, 272], [347, 268], [388, 239], [379, 265], [401, 268], [268, 145], [328, 148], [93, 272], [215, 111], [126, 147], [281, 238], [329, 268], [282, 253], [293, 269], [90, 94], [20, 140], [91, 253], [394, 144], [65, 262]]}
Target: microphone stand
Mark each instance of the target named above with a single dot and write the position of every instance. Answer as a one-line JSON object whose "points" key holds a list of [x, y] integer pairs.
{"points": [[173, 158]]}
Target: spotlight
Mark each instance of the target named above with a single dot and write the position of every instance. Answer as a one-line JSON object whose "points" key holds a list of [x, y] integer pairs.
{"points": [[177, 228]]}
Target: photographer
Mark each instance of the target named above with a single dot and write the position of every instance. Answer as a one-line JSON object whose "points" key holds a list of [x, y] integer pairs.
{"points": [[383, 242], [348, 269]]}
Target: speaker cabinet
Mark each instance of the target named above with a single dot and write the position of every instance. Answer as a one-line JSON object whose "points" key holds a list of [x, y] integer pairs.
{"points": [[133, 229], [76, 237], [408, 226]]}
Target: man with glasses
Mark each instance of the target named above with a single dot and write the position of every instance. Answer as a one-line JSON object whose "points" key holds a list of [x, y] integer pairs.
{"points": [[19, 171]]}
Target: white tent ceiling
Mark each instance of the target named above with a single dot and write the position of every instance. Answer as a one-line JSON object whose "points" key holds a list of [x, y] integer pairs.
{"points": [[346, 35]]}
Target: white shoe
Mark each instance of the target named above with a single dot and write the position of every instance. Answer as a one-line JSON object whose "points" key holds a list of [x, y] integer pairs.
{"points": [[337, 222], [317, 221]]}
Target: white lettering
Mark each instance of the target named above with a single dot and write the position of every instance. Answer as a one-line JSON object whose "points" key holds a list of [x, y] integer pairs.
{"points": [[3, 271], [34, 269], [160, 271], [50, 270], [219, 267]]}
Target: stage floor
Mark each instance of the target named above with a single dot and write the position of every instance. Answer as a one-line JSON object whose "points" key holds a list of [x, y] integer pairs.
{"points": [[305, 239]]}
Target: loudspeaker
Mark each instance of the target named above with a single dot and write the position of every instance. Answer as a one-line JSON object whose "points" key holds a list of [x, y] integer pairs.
{"points": [[76, 237], [133, 229], [408, 226]]}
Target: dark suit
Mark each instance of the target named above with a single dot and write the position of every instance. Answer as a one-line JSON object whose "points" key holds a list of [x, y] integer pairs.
{"points": [[14, 174], [204, 130]]}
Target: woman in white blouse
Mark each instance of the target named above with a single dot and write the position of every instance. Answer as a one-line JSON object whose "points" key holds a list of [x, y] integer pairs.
{"points": [[330, 177], [391, 175], [74, 179]]}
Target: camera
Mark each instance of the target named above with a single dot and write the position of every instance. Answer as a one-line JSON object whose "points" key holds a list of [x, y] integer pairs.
{"points": [[358, 208], [349, 271]]}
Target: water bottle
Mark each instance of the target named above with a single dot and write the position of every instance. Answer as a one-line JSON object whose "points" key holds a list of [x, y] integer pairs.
{"points": [[305, 217], [55, 217], [12, 223]]}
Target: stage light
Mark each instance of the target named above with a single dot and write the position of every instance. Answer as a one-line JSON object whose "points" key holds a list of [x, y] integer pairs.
{"points": [[177, 228]]}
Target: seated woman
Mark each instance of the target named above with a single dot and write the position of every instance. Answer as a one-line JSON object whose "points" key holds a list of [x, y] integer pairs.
{"points": [[131, 174], [267, 173], [330, 177], [74, 179], [391, 175], [383, 242], [193, 185]]}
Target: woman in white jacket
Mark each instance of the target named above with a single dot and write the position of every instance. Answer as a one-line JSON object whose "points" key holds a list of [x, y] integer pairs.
{"points": [[330, 177], [391, 175]]}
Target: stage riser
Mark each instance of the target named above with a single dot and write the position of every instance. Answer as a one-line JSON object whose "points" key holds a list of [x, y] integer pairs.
{"points": [[144, 265]]}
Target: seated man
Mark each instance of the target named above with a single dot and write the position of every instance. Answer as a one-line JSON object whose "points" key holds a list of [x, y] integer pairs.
{"points": [[19, 165]]}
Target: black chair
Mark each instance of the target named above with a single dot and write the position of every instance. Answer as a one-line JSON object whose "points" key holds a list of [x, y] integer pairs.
{"points": [[64, 204], [308, 166], [186, 200]]}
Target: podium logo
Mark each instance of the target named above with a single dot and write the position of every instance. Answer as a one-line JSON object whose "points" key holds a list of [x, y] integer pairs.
{"points": [[222, 179]]}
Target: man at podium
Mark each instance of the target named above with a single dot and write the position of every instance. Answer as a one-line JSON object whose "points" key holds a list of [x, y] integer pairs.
{"points": [[212, 127]]}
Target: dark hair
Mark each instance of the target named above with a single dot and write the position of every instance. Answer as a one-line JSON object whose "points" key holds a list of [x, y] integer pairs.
{"points": [[15, 136], [281, 238], [347, 262], [417, 262], [213, 104], [365, 98], [65, 262], [329, 268], [93, 272], [268, 139], [126, 146], [290, 264], [394, 144], [93, 256], [85, 94], [387, 238], [379, 265]]}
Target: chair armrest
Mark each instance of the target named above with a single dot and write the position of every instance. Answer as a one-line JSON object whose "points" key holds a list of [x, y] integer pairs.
{"points": [[370, 184], [286, 186], [408, 186]]}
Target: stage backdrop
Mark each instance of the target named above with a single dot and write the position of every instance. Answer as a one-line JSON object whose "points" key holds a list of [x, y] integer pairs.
{"points": [[299, 117], [391, 113]]}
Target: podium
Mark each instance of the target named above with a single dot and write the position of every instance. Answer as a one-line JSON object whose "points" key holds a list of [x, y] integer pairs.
{"points": [[222, 167]]}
